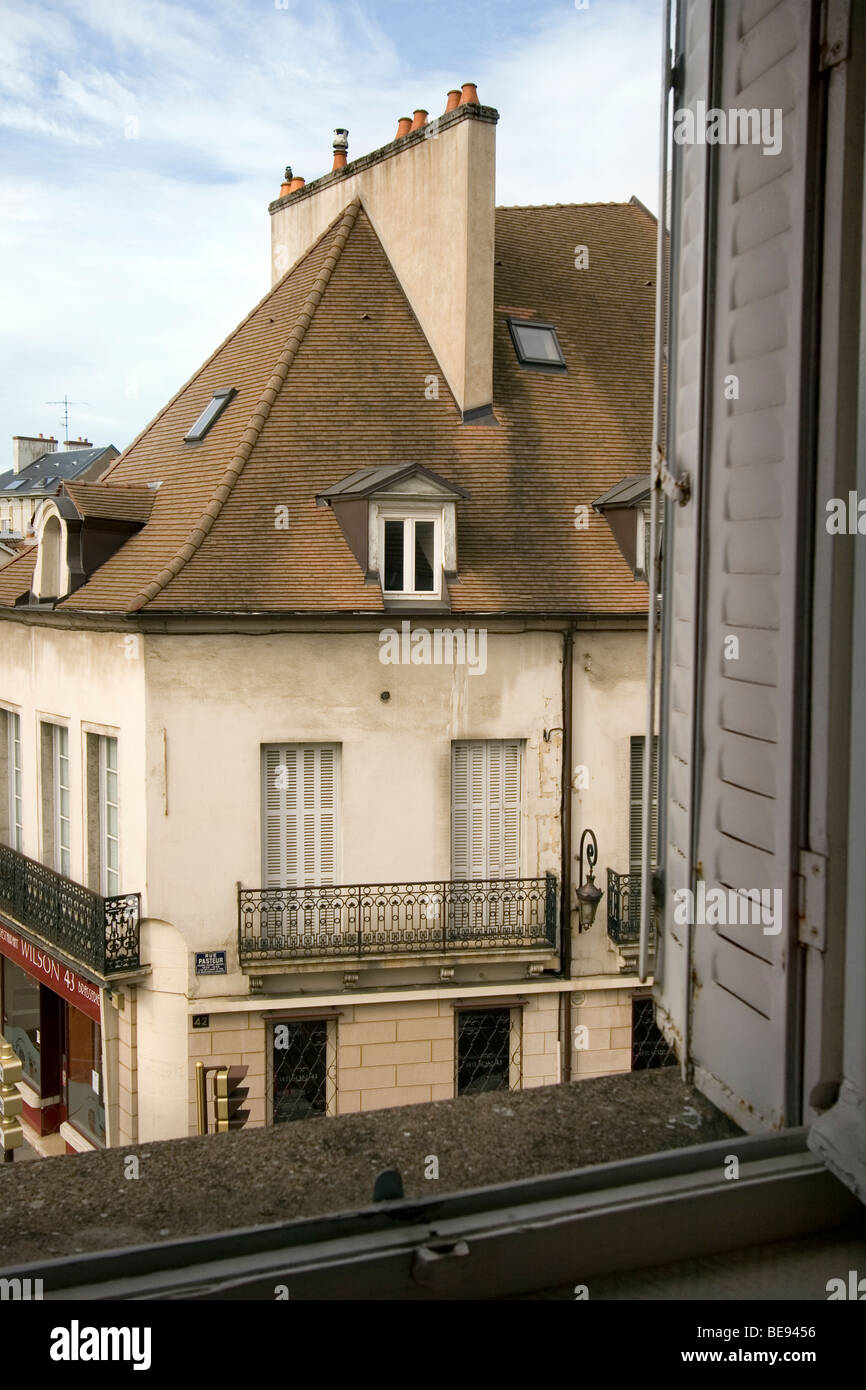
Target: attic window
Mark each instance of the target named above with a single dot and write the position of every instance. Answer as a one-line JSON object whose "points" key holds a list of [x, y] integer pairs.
{"points": [[212, 411], [410, 546], [537, 345]]}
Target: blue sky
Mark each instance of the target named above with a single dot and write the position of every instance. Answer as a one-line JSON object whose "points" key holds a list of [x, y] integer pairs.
{"points": [[142, 141]]}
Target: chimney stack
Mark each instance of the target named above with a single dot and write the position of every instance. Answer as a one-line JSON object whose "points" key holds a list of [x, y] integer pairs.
{"points": [[431, 203], [341, 148], [77, 443], [27, 448]]}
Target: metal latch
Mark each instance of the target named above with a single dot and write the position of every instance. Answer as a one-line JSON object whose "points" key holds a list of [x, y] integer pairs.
{"points": [[812, 906]]}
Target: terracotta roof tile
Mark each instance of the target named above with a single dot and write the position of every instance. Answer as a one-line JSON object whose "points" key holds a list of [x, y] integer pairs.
{"points": [[323, 390]]}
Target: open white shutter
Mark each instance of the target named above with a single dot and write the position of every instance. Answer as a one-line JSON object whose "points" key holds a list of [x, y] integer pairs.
{"points": [[688, 221], [744, 732]]}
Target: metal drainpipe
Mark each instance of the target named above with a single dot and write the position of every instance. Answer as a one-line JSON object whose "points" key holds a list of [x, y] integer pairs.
{"points": [[565, 908], [657, 445]]}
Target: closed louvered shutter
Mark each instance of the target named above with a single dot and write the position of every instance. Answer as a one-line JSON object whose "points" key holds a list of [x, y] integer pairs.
{"points": [[485, 809], [635, 823], [300, 800], [744, 733]]}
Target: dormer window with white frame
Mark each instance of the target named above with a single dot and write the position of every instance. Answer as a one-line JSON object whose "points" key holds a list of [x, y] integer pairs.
{"points": [[400, 522], [411, 549]]}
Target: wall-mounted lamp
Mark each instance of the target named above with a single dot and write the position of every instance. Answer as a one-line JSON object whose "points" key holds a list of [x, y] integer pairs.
{"points": [[588, 895]]}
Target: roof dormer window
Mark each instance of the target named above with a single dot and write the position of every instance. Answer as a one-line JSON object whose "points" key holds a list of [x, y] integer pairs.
{"points": [[537, 345], [211, 413], [410, 548]]}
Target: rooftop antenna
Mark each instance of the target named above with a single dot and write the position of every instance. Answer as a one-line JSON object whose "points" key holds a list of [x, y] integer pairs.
{"points": [[66, 403]]}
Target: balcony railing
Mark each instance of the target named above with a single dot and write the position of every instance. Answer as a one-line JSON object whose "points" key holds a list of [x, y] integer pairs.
{"points": [[99, 932], [623, 911], [376, 919]]}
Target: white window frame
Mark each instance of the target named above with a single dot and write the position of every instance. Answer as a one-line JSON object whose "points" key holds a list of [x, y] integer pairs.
{"points": [[409, 517], [14, 774], [109, 879], [59, 756]]}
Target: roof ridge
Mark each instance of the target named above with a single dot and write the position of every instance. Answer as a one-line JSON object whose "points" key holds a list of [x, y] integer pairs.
{"points": [[122, 456], [344, 225]]}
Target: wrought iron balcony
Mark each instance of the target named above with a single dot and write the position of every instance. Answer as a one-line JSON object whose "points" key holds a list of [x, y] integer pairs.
{"points": [[99, 932], [623, 911], [382, 919]]}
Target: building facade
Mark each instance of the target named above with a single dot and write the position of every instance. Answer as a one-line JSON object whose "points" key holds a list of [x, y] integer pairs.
{"points": [[308, 702]]}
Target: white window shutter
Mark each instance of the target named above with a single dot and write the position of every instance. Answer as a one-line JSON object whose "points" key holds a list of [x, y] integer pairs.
{"points": [[300, 814], [485, 809]]}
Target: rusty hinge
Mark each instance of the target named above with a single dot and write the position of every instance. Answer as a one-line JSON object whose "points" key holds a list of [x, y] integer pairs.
{"points": [[835, 33], [812, 904]]}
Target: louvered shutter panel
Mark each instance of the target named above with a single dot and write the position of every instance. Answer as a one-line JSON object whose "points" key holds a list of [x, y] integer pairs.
{"points": [[511, 758], [300, 801], [635, 824], [746, 730], [688, 219], [485, 811]]}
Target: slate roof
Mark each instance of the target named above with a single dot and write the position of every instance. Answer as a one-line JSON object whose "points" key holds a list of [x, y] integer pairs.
{"points": [[58, 466], [330, 370], [625, 494]]}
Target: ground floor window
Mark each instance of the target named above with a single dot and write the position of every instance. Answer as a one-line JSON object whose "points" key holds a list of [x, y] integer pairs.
{"points": [[648, 1047], [85, 1092], [21, 1021], [300, 1070], [484, 1051]]}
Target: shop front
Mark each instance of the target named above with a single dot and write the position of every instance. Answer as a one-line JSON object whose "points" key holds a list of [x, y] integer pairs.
{"points": [[51, 1015]]}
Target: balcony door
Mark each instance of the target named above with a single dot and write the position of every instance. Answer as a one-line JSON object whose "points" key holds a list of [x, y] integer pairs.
{"points": [[486, 784], [486, 777], [300, 849]]}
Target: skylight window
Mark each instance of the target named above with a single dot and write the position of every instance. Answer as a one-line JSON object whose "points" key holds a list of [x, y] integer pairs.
{"points": [[537, 345], [212, 411]]}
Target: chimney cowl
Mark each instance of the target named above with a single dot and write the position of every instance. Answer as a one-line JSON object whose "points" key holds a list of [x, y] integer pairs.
{"points": [[287, 181], [341, 148]]}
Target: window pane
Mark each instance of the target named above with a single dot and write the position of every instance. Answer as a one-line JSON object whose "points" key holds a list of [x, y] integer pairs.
{"points": [[84, 1089], [537, 344], [394, 555], [21, 1020], [424, 557], [300, 1070], [482, 1050]]}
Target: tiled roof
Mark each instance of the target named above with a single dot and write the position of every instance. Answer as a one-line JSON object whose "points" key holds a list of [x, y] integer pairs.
{"points": [[330, 371], [16, 576], [121, 502]]}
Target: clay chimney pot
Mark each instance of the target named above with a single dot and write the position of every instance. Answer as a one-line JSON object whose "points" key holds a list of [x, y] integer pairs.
{"points": [[404, 125], [469, 95], [419, 119], [453, 99]]}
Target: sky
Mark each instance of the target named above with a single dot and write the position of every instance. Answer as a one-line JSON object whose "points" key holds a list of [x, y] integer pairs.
{"points": [[141, 142]]}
